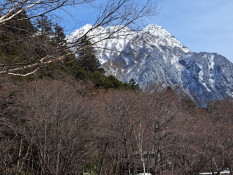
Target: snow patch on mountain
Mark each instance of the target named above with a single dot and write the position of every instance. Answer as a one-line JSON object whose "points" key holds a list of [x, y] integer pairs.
{"points": [[164, 38], [109, 41]]}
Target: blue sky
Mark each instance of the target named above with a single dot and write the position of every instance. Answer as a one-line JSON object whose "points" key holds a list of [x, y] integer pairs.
{"points": [[201, 25]]}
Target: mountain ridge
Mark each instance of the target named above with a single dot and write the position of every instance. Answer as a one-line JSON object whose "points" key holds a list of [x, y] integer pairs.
{"points": [[154, 56]]}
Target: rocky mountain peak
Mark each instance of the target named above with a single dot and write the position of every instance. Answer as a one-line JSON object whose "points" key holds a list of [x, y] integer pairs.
{"points": [[157, 30]]}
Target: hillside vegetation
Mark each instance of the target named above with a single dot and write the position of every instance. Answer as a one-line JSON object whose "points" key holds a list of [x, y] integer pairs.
{"points": [[69, 118]]}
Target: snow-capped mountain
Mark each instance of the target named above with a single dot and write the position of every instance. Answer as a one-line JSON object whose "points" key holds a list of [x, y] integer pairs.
{"points": [[153, 56], [109, 41]]}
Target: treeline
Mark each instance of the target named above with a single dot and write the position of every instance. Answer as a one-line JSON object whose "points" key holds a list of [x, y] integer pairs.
{"points": [[57, 127]]}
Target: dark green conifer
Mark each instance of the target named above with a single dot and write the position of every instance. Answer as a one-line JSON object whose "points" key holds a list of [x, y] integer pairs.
{"points": [[86, 56], [59, 35], [20, 24], [133, 85], [44, 24]]}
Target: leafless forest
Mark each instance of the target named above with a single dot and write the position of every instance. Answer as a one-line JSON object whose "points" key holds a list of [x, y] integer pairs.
{"points": [[55, 127]]}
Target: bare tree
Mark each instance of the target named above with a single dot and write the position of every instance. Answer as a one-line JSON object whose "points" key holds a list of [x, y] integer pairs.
{"points": [[35, 8], [114, 12], [48, 130], [53, 127]]}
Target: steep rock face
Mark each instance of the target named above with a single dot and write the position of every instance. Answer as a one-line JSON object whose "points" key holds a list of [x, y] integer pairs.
{"points": [[150, 57], [154, 56], [207, 76]]}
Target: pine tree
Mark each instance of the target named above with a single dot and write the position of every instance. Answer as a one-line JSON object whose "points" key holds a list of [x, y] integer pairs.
{"points": [[18, 26], [44, 24], [60, 36], [133, 85], [86, 56]]}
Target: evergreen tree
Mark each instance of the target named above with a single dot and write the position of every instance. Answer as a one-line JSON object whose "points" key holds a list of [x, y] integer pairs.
{"points": [[44, 24], [86, 56], [20, 24], [60, 36], [133, 85]]}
